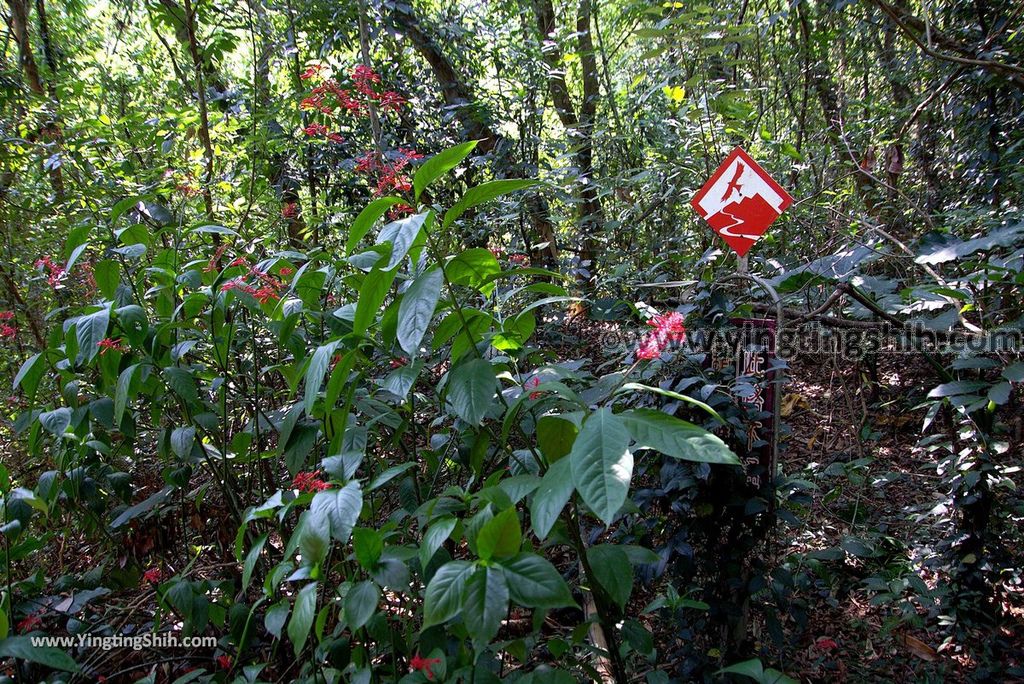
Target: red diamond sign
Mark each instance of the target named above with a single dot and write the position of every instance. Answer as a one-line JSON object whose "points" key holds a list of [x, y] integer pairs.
{"points": [[740, 201]]}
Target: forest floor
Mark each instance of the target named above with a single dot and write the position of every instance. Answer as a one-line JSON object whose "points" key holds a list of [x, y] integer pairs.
{"points": [[876, 485]]}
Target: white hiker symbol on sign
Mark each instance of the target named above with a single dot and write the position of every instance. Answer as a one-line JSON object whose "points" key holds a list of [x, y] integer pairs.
{"points": [[740, 201]]}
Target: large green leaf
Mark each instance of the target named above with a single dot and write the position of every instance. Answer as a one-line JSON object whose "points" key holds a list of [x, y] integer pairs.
{"points": [[434, 537], [612, 570], [251, 558], [484, 192], [474, 268], [361, 604], [417, 308], [602, 464], [471, 389], [318, 365], [485, 603], [550, 497], [440, 164], [957, 388], [341, 507], [124, 383], [555, 436], [401, 234], [443, 598], [677, 438], [57, 421], [500, 537], [29, 375], [302, 617], [371, 295], [90, 330], [535, 583], [22, 648], [370, 214]]}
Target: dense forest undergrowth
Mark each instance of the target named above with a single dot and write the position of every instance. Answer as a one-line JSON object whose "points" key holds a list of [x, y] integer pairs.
{"points": [[373, 342]]}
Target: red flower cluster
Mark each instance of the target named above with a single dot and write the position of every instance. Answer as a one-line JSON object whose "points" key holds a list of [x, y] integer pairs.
{"points": [[153, 575], [285, 271], [214, 262], [668, 328], [424, 665], [6, 329], [310, 482], [54, 270], [519, 259], [389, 174], [108, 344], [533, 383], [398, 211], [355, 101], [289, 210], [825, 644], [315, 129], [312, 71], [224, 662], [30, 621], [265, 289], [399, 362]]}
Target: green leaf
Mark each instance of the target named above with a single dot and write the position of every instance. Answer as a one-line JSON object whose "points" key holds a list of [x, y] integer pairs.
{"points": [[371, 295], [214, 229], [275, 617], [124, 383], [90, 330], [368, 545], [29, 375], [443, 598], [341, 507], [551, 496], [434, 537], [57, 421], [107, 273], [417, 308], [251, 559], [471, 389], [485, 603], [749, 668], [302, 617], [474, 268], [312, 536], [612, 570], [142, 507], [484, 192], [535, 583], [440, 164], [636, 386], [1014, 372], [555, 436], [500, 537], [677, 438], [315, 374], [182, 440], [602, 465], [21, 648], [361, 603], [370, 214], [957, 388], [5, 625], [401, 234]]}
